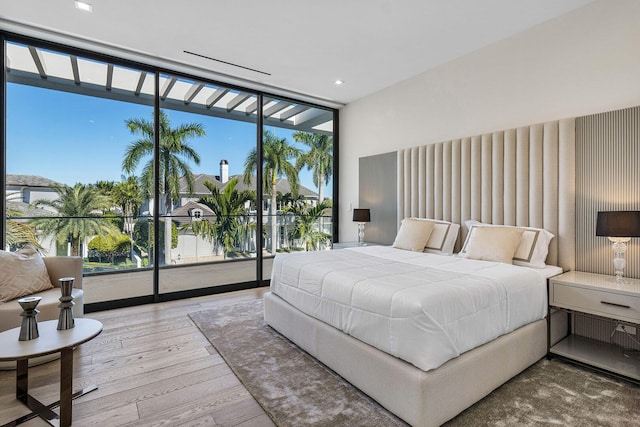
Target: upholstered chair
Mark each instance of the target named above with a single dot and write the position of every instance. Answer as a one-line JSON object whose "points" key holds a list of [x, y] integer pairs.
{"points": [[57, 267]]}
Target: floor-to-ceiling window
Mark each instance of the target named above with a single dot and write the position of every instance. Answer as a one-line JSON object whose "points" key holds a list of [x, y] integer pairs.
{"points": [[297, 171], [207, 134], [153, 177], [66, 192]]}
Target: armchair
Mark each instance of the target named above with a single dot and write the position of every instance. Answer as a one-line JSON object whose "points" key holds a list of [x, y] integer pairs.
{"points": [[57, 267]]}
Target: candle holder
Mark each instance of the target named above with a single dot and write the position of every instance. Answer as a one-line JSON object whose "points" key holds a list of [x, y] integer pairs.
{"points": [[29, 327], [65, 321]]}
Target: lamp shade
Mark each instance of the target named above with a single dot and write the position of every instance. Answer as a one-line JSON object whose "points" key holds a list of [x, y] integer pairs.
{"points": [[361, 215], [618, 224]]}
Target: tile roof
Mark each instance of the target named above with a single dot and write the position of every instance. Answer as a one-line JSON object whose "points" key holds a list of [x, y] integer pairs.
{"points": [[30, 181], [182, 214], [282, 185]]}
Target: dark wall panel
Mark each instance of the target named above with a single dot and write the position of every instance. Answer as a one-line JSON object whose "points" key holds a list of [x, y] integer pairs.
{"points": [[378, 177]]}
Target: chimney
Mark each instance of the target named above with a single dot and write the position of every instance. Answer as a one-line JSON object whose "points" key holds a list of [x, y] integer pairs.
{"points": [[224, 171]]}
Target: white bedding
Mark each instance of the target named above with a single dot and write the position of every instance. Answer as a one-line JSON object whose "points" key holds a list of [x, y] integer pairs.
{"points": [[423, 308]]}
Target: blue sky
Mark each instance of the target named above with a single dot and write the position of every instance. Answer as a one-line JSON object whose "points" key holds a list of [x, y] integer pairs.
{"points": [[72, 138]]}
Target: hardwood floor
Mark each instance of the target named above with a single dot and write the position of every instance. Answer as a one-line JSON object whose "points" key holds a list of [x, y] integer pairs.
{"points": [[152, 367]]}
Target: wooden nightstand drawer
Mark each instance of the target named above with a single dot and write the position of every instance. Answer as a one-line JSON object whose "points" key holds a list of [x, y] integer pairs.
{"points": [[602, 303]]}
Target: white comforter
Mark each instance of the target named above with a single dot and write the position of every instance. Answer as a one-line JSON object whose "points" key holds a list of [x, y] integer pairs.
{"points": [[423, 308]]}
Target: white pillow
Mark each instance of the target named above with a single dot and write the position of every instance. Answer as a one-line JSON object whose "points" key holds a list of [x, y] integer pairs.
{"points": [[22, 275], [533, 248], [413, 234], [493, 243], [443, 237]]}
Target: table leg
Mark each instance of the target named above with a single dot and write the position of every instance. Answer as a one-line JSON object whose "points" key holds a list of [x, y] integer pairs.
{"points": [[51, 406], [22, 394], [22, 379], [66, 385]]}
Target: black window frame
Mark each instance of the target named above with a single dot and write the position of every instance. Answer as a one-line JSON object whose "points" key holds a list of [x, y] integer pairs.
{"points": [[157, 71]]}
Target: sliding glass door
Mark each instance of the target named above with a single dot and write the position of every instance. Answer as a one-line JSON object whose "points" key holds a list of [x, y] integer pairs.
{"points": [[165, 184], [297, 158], [206, 204], [66, 192]]}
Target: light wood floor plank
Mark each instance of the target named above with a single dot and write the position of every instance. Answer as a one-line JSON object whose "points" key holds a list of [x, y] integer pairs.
{"points": [[215, 366], [118, 416], [152, 367], [259, 421], [197, 407], [113, 396], [159, 400]]}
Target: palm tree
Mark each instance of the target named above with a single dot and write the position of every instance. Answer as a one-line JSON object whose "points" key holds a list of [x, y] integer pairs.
{"points": [[105, 187], [229, 206], [126, 194], [175, 155], [287, 199], [80, 211], [18, 233], [306, 224], [276, 155], [319, 158]]}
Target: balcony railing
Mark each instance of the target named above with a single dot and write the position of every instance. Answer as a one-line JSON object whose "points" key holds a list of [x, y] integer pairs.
{"points": [[204, 239]]}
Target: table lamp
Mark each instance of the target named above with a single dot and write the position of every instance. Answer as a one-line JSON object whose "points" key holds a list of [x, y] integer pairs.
{"points": [[361, 216], [619, 227]]}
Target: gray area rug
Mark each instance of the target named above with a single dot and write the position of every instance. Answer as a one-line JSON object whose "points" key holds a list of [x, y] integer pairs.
{"points": [[296, 390]]}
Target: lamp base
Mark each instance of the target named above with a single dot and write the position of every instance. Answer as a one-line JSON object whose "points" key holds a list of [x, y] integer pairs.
{"points": [[619, 247], [361, 234]]}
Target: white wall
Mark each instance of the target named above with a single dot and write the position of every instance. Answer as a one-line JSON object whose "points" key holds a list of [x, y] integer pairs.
{"points": [[585, 62]]}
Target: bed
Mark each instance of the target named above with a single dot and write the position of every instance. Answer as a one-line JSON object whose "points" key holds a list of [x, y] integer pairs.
{"points": [[426, 384]]}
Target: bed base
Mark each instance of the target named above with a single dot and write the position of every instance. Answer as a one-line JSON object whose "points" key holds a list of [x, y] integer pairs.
{"points": [[420, 398]]}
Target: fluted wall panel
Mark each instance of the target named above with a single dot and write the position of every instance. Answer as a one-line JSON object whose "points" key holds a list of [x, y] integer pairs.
{"points": [[607, 178], [497, 178], [514, 177]]}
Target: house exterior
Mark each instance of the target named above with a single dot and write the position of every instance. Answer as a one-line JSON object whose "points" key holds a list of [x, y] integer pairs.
{"points": [[188, 210], [27, 189], [21, 192]]}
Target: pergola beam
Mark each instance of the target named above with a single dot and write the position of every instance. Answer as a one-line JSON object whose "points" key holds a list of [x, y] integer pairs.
{"points": [[192, 92], [239, 99], [109, 83], [74, 68], [38, 61], [276, 108], [292, 112], [252, 108], [312, 121], [143, 75], [168, 85], [216, 96]]}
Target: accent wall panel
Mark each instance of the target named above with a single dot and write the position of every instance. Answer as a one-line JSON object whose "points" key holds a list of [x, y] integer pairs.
{"points": [[378, 192], [607, 179], [523, 176]]}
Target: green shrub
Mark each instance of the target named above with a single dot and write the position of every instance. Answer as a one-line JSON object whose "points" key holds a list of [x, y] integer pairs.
{"points": [[115, 248], [110, 243]]}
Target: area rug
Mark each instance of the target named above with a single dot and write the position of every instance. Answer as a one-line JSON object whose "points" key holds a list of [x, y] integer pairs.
{"points": [[295, 389]]}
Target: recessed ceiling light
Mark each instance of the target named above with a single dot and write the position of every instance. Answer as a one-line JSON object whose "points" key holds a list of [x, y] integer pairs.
{"points": [[86, 7], [338, 82]]}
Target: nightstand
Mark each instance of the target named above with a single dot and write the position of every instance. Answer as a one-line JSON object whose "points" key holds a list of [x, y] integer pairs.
{"points": [[602, 296]]}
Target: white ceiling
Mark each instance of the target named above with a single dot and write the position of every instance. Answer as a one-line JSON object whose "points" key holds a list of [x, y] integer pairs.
{"points": [[304, 45]]}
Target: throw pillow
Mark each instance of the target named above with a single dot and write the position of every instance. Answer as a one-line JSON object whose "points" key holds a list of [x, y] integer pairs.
{"points": [[413, 234], [533, 248], [22, 275], [492, 243]]}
